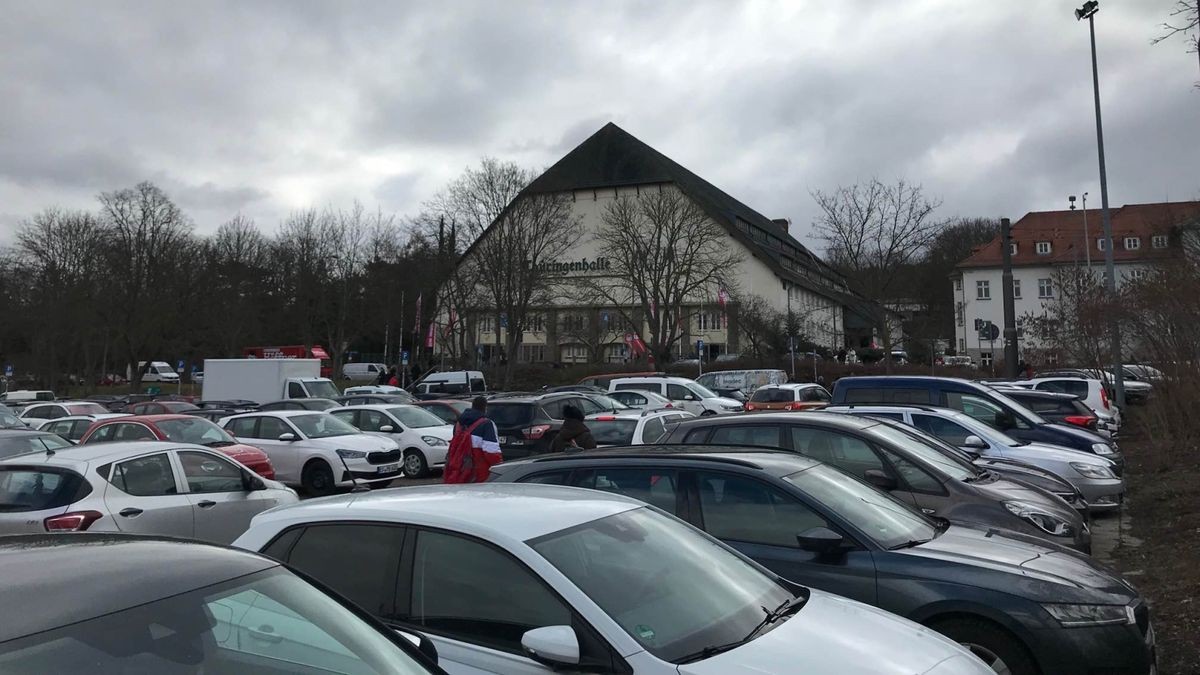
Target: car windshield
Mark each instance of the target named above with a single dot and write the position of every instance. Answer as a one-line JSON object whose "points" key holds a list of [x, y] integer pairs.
{"points": [[879, 515], [612, 431], [509, 414], [1019, 408], [322, 425], [700, 390], [671, 587], [9, 420], [903, 437], [321, 389], [19, 445], [86, 409], [414, 417], [194, 430], [268, 622]]}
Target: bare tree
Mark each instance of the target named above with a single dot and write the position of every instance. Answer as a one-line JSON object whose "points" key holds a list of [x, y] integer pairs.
{"points": [[664, 252], [875, 230], [763, 328], [1075, 321], [1185, 21]]}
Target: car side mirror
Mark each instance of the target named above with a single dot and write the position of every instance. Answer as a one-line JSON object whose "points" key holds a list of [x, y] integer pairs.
{"points": [[552, 645], [387, 428], [421, 642], [820, 540], [287, 437], [252, 483], [689, 397], [880, 479], [974, 442]]}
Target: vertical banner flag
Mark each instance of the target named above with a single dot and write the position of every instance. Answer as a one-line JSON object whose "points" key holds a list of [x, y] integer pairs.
{"points": [[722, 300], [417, 325]]}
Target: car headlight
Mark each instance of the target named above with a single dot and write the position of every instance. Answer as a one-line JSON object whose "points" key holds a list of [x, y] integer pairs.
{"points": [[1089, 615], [1092, 471], [1040, 518], [434, 441], [352, 454], [1102, 448]]}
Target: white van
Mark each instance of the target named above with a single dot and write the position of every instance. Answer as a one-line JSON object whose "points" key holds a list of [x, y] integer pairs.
{"points": [[27, 396], [745, 380], [682, 392], [159, 371], [363, 372], [450, 382]]}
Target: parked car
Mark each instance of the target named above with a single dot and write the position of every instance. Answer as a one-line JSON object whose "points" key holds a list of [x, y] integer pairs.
{"points": [[528, 423], [317, 404], [160, 408], [180, 429], [733, 394], [8, 420], [52, 411], [316, 450], [73, 427], [582, 388], [583, 581], [895, 460], [602, 381], [385, 389], [1095, 477], [124, 604], [634, 427], [747, 381], [641, 399], [422, 436], [1063, 409], [214, 415], [233, 404], [983, 403], [1089, 390], [434, 385], [21, 441], [363, 372], [26, 396], [1002, 595], [170, 489], [781, 397], [682, 392], [446, 410], [375, 399]]}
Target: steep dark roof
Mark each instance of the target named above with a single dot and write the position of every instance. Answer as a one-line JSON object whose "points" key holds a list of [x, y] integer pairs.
{"points": [[612, 157]]}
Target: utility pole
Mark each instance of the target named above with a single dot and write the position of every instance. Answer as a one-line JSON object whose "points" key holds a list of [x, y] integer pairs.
{"points": [[1006, 288], [1088, 11]]}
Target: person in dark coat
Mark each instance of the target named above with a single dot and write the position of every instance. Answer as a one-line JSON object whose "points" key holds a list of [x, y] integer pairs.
{"points": [[574, 434], [384, 375]]}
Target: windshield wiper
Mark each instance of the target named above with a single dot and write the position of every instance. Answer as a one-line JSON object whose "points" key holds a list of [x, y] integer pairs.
{"points": [[220, 444], [911, 543], [789, 606]]}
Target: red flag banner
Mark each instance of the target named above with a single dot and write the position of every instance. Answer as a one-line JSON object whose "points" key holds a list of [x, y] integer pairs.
{"points": [[429, 337]]}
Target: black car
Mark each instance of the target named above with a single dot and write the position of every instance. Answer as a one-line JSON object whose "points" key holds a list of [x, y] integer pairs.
{"points": [[108, 603], [376, 399], [213, 415], [894, 458], [528, 423], [1022, 605], [231, 404], [1057, 407], [316, 404]]}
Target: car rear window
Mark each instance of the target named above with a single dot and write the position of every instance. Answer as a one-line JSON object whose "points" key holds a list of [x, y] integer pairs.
{"points": [[510, 414], [19, 445], [31, 489], [612, 432]]}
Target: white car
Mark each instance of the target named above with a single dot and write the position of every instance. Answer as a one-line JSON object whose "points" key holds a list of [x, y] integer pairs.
{"points": [[372, 389], [422, 436], [141, 487], [634, 427], [71, 427], [363, 372], [53, 411], [682, 392], [316, 450], [642, 400], [531, 579]]}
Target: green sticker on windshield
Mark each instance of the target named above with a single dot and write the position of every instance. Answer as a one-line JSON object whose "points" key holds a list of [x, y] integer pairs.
{"points": [[645, 632]]}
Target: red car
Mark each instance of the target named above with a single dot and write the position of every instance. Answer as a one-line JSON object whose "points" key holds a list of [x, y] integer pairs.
{"points": [[180, 429], [447, 410]]}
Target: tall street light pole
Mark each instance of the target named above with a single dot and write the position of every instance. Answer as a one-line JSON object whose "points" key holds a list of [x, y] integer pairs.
{"points": [[1088, 11]]}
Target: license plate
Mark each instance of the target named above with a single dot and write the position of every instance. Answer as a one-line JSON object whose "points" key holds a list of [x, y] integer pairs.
{"points": [[387, 468]]}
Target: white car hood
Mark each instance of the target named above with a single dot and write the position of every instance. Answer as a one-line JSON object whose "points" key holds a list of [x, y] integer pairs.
{"points": [[363, 442], [831, 635], [444, 432]]}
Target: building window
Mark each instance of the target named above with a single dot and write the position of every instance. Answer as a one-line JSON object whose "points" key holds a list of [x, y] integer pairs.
{"points": [[1016, 289], [573, 322], [983, 290], [985, 358], [1159, 241], [1133, 243], [708, 321], [536, 323], [958, 314], [958, 285], [962, 345], [485, 324], [1012, 248], [1100, 243], [533, 353], [1043, 248], [1137, 274], [1045, 288]]}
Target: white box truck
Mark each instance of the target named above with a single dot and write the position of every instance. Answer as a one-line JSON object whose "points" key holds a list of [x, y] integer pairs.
{"points": [[265, 380]]}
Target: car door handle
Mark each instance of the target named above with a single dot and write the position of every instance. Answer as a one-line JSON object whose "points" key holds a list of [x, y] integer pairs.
{"points": [[206, 504], [130, 512], [266, 634], [929, 512]]}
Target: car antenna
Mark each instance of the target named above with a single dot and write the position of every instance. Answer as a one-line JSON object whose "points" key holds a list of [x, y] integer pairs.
{"points": [[357, 487]]}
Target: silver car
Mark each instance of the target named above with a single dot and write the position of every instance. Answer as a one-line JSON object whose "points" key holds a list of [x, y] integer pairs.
{"points": [[160, 488], [1092, 475]]}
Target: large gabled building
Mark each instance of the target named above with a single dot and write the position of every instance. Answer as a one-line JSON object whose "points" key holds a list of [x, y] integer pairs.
{"points": [[776, 266]]}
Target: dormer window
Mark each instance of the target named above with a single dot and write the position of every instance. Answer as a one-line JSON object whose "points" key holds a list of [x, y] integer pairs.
{"points": [[1133, 243], [1100, 243], [1012, 248], [1159, 241], [1043, 248]]}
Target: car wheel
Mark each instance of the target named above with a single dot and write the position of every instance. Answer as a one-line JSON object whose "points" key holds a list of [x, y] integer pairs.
{"points": [[415, 465], [317, 478], [996, 647]]}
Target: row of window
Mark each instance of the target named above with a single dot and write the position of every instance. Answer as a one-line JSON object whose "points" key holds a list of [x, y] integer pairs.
{"points": [[983, 289], [1131, 244]]}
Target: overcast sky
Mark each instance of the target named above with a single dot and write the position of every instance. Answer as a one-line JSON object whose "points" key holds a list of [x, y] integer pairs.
{"points": [[267, 107]]}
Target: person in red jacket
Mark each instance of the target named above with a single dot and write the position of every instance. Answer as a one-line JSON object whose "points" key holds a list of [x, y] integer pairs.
{"points": [[475, 446]]}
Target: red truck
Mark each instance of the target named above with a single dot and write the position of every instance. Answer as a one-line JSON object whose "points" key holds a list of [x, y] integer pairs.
{"points": [[293, 352]]}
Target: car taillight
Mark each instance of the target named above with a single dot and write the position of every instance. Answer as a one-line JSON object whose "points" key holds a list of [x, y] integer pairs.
{"points": [[77, 521], [750, 406], [1104, 398], [535, 432], [1086, 421]]}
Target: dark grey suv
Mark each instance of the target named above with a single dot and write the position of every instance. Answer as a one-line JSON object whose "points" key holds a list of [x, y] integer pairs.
{"points": [[1023, 606], [898, 460]]}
